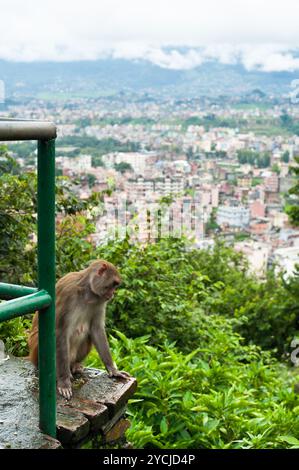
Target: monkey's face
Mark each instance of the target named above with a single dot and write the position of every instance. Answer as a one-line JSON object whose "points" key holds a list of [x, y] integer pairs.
{"points": [[110, 289], [105, 281]]}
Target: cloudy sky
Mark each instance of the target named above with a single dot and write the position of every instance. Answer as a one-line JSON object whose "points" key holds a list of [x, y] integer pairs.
{"points": [[261, 34]]}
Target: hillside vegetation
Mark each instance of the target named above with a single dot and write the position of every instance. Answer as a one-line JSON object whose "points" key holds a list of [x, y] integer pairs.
{"points": [[208, 343]]}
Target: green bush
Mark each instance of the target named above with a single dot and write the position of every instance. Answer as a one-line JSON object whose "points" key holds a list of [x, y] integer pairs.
{"points": [[200, 383], [166, 285], [221, 395], [160, 291]]}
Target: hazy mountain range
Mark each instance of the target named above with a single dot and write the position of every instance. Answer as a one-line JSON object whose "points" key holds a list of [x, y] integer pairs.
{"points": [[112, 76]]}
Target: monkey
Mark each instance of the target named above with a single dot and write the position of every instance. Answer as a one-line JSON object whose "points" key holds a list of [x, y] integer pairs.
{"points": [[81, 299]]}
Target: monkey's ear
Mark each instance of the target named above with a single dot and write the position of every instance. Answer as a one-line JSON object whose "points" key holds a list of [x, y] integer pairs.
{"points": [[102, 269]]}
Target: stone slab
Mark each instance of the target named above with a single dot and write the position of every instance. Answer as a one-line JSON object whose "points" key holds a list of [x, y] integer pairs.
{"points": [[96, 413], [100, 388], [72, 425], [97, 403], [19, 415]]}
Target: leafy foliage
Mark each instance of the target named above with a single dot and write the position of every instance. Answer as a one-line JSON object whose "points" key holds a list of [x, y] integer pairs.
{"points": [[167, 285], [17, 217], [287, 122], [159, 292], [97, 147], [23, 149], [285, 156], [261, 160], [122, 167], [221, 395], [192, 326]]}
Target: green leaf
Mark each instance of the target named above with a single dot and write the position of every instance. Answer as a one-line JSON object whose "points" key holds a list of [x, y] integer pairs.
{"points": [[163, 425], [290, 440]]}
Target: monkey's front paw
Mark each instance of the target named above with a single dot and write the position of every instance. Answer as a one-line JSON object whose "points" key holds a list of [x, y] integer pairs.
{"points": [[64, 388], [118, 373]]}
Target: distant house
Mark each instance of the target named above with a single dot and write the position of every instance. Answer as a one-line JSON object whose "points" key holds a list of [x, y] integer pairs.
{"points": [[286, 260], [257, 255], [234, 216], [257, 209]]}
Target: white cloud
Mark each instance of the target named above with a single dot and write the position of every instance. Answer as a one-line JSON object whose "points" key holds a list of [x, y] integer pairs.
{"points": [[269, 58], [266, 58], [262, 35], [171, 59]]}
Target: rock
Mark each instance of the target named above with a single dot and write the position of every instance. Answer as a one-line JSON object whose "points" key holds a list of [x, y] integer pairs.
{"points": [[98, 406]]}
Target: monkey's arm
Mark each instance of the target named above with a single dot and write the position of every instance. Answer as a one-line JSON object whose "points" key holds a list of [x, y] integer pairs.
{"points": [[99, 339]]}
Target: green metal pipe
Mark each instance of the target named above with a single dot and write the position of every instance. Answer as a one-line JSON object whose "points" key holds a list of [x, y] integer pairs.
{"points": [[12, 291], [46, 280], [22, 306]]}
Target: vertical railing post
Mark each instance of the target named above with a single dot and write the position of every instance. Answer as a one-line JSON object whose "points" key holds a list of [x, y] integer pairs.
{"points": [[46, 280]]}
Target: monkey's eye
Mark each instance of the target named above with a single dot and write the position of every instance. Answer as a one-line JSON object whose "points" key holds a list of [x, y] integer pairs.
{"points": [[115, 283]]}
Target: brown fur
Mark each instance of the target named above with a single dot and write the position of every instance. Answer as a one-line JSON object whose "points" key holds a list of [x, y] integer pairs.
{"points": [[81, 299], [33, 341]]}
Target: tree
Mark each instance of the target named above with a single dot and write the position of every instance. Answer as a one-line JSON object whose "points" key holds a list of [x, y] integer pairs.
{"points": [[122, 167], [286, 120], [288, 123], [96, 160], [18, 206], [211, 224], [190, 153], [247, 156], [275, 168], [7, 163], [23, 149], [17, 228], [91, 179], [264, 160], [286, 156]]}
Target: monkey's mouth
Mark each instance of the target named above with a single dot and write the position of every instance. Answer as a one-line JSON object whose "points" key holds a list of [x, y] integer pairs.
{"points": [[109, 294]]}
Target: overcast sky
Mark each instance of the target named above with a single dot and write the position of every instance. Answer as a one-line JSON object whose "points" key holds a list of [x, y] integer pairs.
{"points": [[262, 34]]}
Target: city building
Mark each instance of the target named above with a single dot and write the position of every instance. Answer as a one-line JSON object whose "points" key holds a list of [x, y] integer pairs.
{"points": [[257, 255], [233, 216], [286, 260]]}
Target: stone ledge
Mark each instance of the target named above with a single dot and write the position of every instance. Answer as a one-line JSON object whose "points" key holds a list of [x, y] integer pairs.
{"points": [[98, 406]]}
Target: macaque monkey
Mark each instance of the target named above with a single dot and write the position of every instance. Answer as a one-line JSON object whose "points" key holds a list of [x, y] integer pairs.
{"points": [[81, 299]]}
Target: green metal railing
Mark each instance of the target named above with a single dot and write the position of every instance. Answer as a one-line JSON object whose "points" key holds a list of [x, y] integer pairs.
{"points": [[26, 299]]}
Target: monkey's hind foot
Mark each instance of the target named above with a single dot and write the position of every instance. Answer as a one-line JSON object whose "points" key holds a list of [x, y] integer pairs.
{"points": [[64, 388], [77, 369]]}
